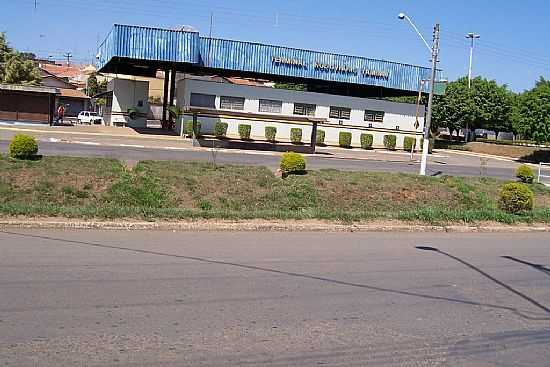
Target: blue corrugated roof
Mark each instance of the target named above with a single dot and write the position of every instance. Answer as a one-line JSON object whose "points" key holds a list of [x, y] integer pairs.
{"points": [[156, 44]]}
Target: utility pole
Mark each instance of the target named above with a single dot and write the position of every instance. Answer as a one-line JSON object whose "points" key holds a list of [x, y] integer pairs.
{"points": [[426, 143], [68, 56]]}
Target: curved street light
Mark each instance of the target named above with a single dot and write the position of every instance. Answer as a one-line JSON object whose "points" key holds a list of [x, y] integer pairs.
{"points": [[434, 50]]}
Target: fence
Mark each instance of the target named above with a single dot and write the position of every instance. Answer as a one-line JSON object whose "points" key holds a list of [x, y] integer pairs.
{"points": [[544, 178]]}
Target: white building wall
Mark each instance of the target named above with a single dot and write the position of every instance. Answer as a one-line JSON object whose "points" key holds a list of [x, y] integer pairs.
{"points": [[401, 115], [128, 94]]}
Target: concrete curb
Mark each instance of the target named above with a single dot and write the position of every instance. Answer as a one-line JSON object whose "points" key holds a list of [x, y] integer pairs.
{"points": [[265, 226]]}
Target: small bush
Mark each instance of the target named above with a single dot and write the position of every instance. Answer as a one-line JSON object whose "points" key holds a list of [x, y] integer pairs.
{"points": [[244, 132], [320, 137], [292, 163], [366, 141], [23, 147], [515, 197], [390, 142], [344, 139], [220, 129], [270, 133], [296, 135], [525, 174], [188, 128], [409, 143]]}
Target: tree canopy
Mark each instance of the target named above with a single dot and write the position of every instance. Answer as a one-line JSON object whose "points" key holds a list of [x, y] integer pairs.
{"points": [[485, 105], [16, 68], [532, 114]]}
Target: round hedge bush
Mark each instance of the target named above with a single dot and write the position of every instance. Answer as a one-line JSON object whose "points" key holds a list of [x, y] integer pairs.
{"points": [[344, 139], [390, 141], [244, 131], [188, 128], [292, 162], [515, 197], [525, 174], [270, 133], [23, 147], [366, 141], [296, 135], [320, 137], [220, 129]]}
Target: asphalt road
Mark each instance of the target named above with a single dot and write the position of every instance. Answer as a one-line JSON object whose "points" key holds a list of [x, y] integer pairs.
{"points": [[94, 298], [384, 164]]}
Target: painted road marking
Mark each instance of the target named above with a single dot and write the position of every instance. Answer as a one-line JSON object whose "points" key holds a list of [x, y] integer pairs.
{"points": [[86, 142], [131, 145]]}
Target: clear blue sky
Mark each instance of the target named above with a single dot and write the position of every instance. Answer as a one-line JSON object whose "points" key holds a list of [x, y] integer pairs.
{"points": [[514, 48]]}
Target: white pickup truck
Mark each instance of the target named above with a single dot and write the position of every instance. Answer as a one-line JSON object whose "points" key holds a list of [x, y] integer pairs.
{"points": [[87, 117]]}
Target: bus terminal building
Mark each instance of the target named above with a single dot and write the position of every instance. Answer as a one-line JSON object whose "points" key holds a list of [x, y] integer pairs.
{"points": [[337, 92]]}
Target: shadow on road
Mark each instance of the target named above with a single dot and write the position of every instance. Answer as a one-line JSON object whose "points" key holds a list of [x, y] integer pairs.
{"points": [[538, 267], [312, 277], [502, 284]]}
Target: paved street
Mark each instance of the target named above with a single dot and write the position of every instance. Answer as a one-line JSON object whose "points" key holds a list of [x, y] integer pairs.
{"points": [[108, 298], [135, 148]]}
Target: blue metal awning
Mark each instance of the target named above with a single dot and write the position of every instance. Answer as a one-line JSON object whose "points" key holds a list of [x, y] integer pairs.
{"points": [[129, 48]]}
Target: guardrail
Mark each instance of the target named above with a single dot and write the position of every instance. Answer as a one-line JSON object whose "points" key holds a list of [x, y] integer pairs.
{"points": [[544, 179]]}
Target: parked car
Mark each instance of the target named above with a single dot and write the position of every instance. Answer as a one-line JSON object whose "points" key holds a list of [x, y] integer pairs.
{"points": [[87, 117]]}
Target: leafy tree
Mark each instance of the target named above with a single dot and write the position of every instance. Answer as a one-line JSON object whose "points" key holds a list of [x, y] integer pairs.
{"points": [[532, 114], [92, 85], [5, 53], [28, 56], [15, 68], [455, 109], [485, 105], [19, 71], [102, 86]]}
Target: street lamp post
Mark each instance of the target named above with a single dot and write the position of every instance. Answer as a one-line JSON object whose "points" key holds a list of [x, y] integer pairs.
{"points": [[472, 37], [434, 49]]}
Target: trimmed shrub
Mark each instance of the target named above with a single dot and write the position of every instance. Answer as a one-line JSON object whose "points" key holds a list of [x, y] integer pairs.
{"points": [[366, 141], [525, 174], [515, 197], [23, 147], [320, 137], [270, 133], [244, 132], [430, 145], [220, 129], [344, 139], [409, 143], [292, 162], [188, 128], [296, 135], [390, 141]]}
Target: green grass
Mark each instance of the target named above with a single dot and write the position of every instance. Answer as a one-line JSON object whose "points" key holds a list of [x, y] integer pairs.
{"points": [[105, 189]]}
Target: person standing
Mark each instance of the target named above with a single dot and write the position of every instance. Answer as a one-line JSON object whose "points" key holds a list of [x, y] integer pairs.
{"points": [[60, 113]]}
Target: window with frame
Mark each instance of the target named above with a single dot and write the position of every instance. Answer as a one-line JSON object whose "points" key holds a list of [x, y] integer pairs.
{"points": [[341, 113], [203, 100], [304, 109], [231, 103], [270, 105], [374, 116]]}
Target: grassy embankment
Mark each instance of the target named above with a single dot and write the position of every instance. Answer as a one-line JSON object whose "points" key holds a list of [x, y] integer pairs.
{"points": [[105, 189]]}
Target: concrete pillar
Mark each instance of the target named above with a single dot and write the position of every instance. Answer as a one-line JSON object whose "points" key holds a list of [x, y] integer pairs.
{"points": [[313, 141], [172, 91], [165, 97]]}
